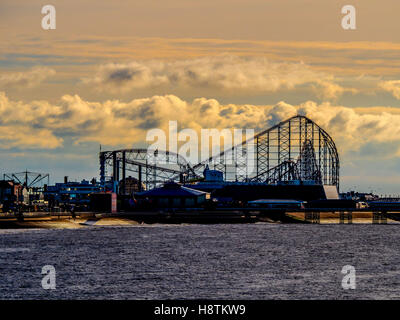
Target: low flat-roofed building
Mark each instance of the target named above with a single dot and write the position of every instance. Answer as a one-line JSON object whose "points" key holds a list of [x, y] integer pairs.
{"points": [[173, 195]]}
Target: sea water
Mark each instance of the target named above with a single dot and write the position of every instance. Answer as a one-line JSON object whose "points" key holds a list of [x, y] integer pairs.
{"points": [[242, 261]]}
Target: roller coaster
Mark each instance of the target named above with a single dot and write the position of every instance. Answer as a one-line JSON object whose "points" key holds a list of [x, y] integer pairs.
{"points": [[296, 149]]}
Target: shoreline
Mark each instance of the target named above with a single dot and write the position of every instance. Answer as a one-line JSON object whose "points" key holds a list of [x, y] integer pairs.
{"points": [[90, 219]]}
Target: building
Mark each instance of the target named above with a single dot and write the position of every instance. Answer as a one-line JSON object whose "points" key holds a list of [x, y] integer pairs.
{"points": [[173, 195], [71, 192], [226, 192], [11, 193]]}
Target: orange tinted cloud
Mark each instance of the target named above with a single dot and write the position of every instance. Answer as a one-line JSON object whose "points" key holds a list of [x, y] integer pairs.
{"points": [[44, 125], [30, 78], [228, 73]]}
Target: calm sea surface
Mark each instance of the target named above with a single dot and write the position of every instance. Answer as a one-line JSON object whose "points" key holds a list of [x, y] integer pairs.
{"points": [[249, 261]]}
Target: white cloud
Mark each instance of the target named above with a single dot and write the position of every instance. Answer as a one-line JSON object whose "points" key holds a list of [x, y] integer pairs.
{"points": [[39, 124], [330, 90], [392, 86], [30, 78], [223, 72]]}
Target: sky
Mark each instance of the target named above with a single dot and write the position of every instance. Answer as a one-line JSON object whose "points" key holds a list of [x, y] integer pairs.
{"points": [[112, 70]]}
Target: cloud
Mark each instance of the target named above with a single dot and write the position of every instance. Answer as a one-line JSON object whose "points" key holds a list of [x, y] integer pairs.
{"points": [[330, 90], [18, 129], [77, 52], [25, 79], [352, 130], [223, 72], [392, 86], [40, 124], [27, 137]]}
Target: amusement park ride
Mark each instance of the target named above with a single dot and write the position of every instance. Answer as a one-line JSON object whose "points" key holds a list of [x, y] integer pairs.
{"points": [[296, 149]]}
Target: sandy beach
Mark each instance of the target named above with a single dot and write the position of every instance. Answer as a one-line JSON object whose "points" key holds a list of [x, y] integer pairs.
{"points": [[87, 220]]}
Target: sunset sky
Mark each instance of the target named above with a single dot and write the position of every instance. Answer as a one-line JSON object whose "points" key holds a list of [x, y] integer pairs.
{"points": [[114, 69]]}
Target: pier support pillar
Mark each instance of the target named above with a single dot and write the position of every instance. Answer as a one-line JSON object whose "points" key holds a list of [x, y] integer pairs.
{"points": [[379, 218], [317, 217], [345, 216]]}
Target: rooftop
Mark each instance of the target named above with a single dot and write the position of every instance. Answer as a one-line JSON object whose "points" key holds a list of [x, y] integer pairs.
{"points": [[172, 189]]}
